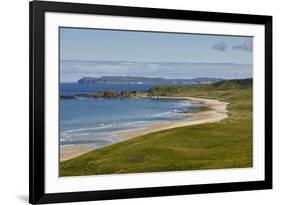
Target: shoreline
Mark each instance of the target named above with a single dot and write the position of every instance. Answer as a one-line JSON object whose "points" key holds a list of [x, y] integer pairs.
{"points": [[70, 152], [218, 111]]}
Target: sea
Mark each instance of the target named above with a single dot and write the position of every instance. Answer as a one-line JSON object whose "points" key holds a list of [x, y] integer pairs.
{"points": [[98, 121]]}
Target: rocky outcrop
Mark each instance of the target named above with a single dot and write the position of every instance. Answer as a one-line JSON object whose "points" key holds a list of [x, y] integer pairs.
{"points": [[102, 94]]}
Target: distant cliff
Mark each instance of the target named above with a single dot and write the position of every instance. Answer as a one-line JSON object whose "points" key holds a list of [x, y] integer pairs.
{"points": [[144, 80]]}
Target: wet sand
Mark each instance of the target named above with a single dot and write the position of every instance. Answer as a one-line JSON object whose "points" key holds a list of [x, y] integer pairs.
{"points": [[218, 111]]}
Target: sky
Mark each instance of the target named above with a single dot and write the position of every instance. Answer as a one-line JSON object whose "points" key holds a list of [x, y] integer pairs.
{"points": [[96, 53]]}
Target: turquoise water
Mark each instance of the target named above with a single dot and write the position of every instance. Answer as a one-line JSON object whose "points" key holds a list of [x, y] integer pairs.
{"points": [[97, 121]]}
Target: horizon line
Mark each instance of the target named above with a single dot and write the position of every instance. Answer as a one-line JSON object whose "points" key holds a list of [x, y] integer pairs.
{"points": [[132, 61]]}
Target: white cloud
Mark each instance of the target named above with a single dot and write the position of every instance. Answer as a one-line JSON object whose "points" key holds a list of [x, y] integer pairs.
{"points": [[247, 45], [220, 46]]}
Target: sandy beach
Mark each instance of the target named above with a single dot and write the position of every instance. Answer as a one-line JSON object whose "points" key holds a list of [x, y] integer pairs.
{"points": [[217, 111], [69, 152]]}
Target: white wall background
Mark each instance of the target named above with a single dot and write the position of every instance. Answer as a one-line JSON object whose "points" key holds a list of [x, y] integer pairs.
{"points": [[14, 43]]}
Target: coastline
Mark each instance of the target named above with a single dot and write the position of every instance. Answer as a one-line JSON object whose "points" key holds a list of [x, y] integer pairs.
{"points": [[218, 111]]}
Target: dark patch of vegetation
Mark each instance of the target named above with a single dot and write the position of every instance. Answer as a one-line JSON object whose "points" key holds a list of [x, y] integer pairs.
{"points": [[136, 159]]}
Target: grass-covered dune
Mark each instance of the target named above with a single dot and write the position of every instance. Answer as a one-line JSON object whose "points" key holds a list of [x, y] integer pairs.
{"points": [[224, 144]]}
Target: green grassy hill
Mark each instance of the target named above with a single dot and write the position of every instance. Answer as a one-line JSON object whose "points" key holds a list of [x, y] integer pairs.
{"points": [[224, 144]]}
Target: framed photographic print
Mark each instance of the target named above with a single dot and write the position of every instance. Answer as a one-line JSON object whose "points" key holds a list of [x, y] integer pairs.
{"points": [[140, 102]]}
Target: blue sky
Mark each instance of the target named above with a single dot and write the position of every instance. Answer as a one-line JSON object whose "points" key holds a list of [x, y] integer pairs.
{"points": [[137, 53]]}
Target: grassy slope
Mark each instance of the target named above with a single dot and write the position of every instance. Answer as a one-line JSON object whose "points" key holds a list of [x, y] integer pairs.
{"points": [[224, 144]]}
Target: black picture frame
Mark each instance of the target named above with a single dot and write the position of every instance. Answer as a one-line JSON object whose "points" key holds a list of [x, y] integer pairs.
{"points": [[37, 10]]}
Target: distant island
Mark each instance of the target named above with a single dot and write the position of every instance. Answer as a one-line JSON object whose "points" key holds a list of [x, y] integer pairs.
{"points": [[144, 80]]}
